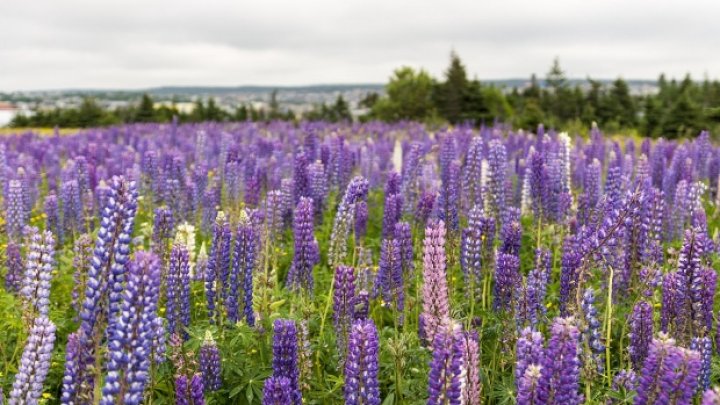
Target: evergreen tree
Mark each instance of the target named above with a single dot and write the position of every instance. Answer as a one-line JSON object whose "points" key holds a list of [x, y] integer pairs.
{"points": [[451, 95], [146, 110]]}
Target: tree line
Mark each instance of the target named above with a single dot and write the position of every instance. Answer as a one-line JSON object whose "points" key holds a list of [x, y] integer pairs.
{"points": [[678, 108]]}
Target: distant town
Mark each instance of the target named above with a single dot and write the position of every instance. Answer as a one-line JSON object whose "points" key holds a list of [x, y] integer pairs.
{"points": [[297, 99]]}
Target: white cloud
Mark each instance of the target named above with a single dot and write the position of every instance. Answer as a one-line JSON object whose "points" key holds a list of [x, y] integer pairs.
{"points": [[136, 44]]}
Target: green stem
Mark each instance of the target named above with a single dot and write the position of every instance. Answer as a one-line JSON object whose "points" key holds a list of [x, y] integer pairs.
{"points": [[608, 328]]}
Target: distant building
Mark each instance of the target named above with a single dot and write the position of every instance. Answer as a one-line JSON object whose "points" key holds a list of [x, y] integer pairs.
{"points": [[7, 113]]}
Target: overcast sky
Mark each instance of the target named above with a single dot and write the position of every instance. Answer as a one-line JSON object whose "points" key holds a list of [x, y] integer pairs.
{"points": [[52, 44]]}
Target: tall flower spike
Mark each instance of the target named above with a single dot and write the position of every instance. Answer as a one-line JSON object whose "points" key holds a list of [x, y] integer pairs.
{"points": [[436, 306], [389, 282], [704, 348], [529, 386], [403, 234], [277, 391], [130, 345], [529, 351], [15, 212], [103, 276], [560, 374], [447, 369], [343, 307], [356, 191], [218, 267], [362, 365], [285, 362], [14, 263], [34, 363], [591, 331], [243, 267], [306, 254], [178, 290], [471, 390], [38, 273], [507, 277], [641, 333], [669, 374], [210, 363], [70, 382], [497, 173]]}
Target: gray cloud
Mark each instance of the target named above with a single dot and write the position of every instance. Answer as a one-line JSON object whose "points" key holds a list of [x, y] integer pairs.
{"points": [[136, 44]]}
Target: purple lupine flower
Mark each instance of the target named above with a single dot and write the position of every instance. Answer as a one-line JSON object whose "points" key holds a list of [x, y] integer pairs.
{"points": [[471, 389], [593, 186], [52, 216], [356, 191], [72, 208], [277, 391], [243, 266], [497, 173], [343, 306], [158, 339], [511, 234], [14, 263], [711, 397], [560, 375], [287, 187], [389, 281], [569, 265], [181, 390], [436, 306], [425, 207], [529, 350], [178, 290], [285, 361], [669, 375], [253, 185], [128, 195], [16, 213], [34, 363], [626, 380], [35, 290], [300, 177], [129, 347], [81, 261], [361, 219], [472, 174], [641, 332], [538, 180], [306, 254], [449, 197], [318, 187], [107, 264], [210, 363], [529, 386], [163, 225], [403, 235], [70, 383], [218, 268], [507, 277], [391, 214], [447, 375], [362, 365], [196, 390], [410, 173], [304, 355], [273, 215], [703, 345], [591, 331], [361, 305], [365, 272]]}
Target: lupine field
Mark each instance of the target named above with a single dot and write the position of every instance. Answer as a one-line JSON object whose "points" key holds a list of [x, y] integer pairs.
{"points": [[362, 264]]}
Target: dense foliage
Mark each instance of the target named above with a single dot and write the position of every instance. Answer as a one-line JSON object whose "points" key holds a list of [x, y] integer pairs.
{"points": [[366, 264]]}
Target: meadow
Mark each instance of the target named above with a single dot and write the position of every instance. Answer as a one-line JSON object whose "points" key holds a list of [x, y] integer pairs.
{"points": [[374, 263]]}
